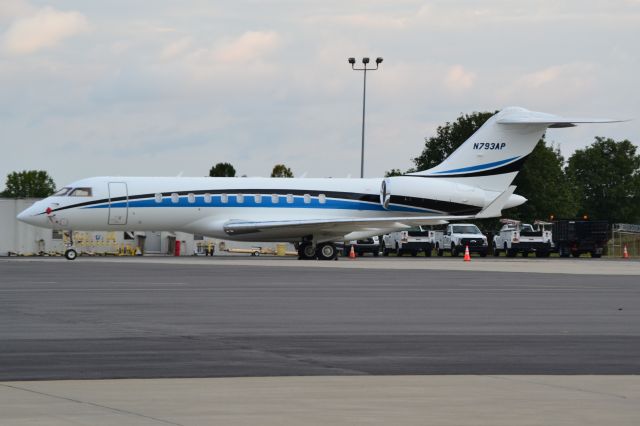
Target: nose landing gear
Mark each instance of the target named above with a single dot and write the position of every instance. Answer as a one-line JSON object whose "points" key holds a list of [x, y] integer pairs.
{"points": [[70, 252]]}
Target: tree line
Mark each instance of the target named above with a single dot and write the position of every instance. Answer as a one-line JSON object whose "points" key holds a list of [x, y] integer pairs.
{"points": [[601, 181]]}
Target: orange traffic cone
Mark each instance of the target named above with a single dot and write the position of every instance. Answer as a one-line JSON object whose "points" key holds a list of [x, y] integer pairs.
{"points": [[352, 253], [625, 253], [467, 257]]}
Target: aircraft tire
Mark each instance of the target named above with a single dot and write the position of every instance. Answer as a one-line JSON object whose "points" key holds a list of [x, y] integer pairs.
{"points": [[326, 251], [70, 254], [306, 251]]}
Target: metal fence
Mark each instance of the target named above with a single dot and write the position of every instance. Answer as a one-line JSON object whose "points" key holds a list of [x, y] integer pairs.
{"points": [[624, 234]]}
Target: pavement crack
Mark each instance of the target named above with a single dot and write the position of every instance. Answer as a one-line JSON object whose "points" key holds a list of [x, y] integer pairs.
{"points": [[93, 404], [551, 385]]}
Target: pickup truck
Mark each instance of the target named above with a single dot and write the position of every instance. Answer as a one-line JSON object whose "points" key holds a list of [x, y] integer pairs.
{"points": [[412, 241], [460, 235], [517, 237]]}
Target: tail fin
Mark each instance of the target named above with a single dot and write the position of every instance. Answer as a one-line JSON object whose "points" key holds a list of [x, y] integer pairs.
{"points": [[492, 157]]}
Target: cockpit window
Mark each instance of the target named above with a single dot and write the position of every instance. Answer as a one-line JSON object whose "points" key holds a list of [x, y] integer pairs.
{"points": [[80, 192], [61, 192]]}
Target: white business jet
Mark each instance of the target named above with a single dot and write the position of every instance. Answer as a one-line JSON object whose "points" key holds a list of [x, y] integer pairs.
{"points": [[474, 182]]}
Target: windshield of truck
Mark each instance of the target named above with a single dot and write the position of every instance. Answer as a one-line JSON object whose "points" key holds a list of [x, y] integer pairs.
{"points": [[417, 231], [466, 229]]}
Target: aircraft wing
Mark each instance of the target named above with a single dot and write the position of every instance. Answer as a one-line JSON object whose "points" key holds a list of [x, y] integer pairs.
{"points": [[335, 226], [343, 226]]}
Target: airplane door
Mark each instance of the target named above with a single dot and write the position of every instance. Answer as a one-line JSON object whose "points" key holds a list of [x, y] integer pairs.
{"points": [[118, 203]]}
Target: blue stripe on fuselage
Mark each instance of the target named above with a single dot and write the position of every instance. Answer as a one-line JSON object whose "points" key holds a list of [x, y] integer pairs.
{"points": [[478, 167], [249, 201]]}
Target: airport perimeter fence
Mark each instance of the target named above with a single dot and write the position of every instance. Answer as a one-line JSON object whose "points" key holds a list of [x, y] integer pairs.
{"points": [[624, 234]]}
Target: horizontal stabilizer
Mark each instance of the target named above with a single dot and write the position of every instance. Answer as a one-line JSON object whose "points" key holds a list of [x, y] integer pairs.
{"points": [[522, 116]]}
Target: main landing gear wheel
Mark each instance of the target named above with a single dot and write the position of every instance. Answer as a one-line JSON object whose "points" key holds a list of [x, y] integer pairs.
{"points": [[70, 254], [306, 251], [326, 251]]}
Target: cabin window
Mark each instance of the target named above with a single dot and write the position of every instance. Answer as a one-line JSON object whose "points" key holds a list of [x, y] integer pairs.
{"points": [[158, 198], [80, 192], [191, 198], [224, 198], [240, 198], [275, 198], [322, 198], [289, 198], [61, 192], [207, 198], [175, 198], [258, 198], [307, 198]]}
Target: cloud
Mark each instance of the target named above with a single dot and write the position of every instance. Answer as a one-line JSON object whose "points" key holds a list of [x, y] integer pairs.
{"points": [[248, 47], [11, 9], [361, 20], [45, 28], [458, 79], [176, 48], [574, 81]]}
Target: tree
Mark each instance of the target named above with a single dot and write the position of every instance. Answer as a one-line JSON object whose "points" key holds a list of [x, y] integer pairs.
{"points": [[606, 176], [280, 170], [393, 172], [543, 182], [222, 170], [448, 138], [29, 183]]}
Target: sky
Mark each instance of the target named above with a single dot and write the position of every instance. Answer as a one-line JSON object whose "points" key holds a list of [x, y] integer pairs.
{"points": [[162, 88]]}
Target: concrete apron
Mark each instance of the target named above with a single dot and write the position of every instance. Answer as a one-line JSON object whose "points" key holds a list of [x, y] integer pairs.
{"points": [[384, 400]]}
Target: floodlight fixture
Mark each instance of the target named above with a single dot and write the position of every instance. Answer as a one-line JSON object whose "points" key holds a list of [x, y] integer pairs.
{"points": [[365, 61]]}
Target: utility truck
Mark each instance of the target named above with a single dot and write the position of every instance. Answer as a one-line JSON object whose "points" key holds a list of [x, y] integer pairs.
{"points": [[411, 241], [459, 236], [575, 237], [516, 237]]}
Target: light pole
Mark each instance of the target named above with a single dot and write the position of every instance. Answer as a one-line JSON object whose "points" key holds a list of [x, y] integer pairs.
{"points": [[365, 61]]}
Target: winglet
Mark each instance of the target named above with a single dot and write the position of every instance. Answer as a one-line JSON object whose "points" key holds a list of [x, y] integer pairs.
{"points": [[494, 209]]}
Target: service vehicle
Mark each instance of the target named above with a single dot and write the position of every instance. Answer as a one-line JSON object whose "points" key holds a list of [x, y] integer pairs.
{"points": [[410, 241], [516, 237], [459, 236], [575, 237], [360, 247]]}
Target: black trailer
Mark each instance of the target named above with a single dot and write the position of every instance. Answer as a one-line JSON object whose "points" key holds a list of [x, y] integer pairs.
{"points": [[575, 237]]}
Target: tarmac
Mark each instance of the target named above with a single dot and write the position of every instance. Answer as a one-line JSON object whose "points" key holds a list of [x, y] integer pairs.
{"points": [[235, 340]]}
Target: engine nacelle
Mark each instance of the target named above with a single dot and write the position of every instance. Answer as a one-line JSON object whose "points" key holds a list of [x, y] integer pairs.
{"points": [[431, 194]]}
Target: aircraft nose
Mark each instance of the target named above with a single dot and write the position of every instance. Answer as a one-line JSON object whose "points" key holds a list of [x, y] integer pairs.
{"points": [[29, 215]]}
